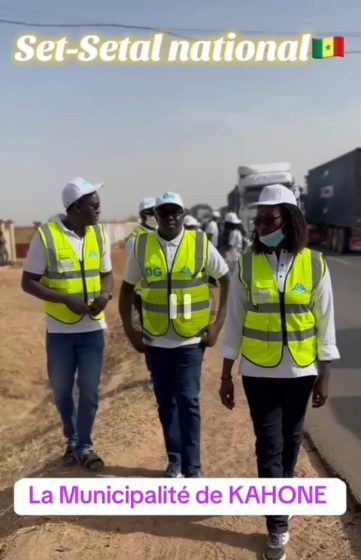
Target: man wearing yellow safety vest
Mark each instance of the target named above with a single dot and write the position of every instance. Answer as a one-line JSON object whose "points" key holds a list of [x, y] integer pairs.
{"points": [[68, 266], [280, 320], [147, 223], [173, 266]]}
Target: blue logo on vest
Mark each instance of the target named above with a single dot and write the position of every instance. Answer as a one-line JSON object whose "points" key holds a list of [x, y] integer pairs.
{"points": [[153, 272], [186, 271], [299, 289], [93, 254]]}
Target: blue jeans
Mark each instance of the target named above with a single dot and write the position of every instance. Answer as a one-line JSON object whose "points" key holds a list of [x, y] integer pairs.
{"points": [[80, 353], [176, 375]]}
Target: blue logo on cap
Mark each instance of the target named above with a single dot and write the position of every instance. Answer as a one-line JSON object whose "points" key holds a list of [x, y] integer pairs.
{"points": [[169, 196], [84, 183]]}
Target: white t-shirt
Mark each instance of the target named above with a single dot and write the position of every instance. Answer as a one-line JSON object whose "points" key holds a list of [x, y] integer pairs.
{"points": [[216, 267], [322, 309], [36, 263], [212, 229]]}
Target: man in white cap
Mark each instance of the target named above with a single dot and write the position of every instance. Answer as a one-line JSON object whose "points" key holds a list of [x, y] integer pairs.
{"points": [[173, 266], [147, 222], [68, 266]]}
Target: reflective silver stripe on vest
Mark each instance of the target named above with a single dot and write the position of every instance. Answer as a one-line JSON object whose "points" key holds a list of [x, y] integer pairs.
{"points": [[70, 275], [316, 268], [163, 309], [99, 235], [140, 252], [199, 258], [176, 284], [53, 264], [266, 336], [247, 272], [275, 308]]}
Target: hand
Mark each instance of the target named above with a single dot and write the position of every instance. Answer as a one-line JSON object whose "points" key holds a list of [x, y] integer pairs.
{"points": [[210, 335], [226, 392], [136, 340], [77, 305], [320, 392], [98, 305]]}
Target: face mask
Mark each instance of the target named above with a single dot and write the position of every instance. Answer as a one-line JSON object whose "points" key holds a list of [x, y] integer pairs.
{"points": [[151, 222], [272, 239]]}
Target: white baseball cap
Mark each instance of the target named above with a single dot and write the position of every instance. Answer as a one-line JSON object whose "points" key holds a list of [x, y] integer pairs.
{"points": [[232, 218], [190, 221], [271, 195], [146, 203], [169, 198], [216, 214], [77, 188]]}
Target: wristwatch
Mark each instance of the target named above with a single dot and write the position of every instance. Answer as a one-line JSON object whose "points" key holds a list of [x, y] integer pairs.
{"points": [[110, 295]]}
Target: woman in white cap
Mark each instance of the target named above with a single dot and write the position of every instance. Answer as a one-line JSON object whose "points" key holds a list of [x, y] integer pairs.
{"points": [[280, 321], [233, 240]]}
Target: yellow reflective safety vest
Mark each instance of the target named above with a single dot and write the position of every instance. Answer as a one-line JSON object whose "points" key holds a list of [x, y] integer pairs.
{"points": [[274, 319], [179, 296], [139, 230], [66, 274]]}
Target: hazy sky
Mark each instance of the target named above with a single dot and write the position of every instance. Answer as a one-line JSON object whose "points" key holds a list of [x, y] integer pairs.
{"points": [[146, 130]]}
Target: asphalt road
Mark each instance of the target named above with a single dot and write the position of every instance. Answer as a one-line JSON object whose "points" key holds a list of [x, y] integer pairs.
{"points": [[336, 428]]}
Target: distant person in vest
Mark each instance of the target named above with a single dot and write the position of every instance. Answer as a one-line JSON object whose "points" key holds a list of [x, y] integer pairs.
{"points": [[173, 266], [280, 321], [68, 266], [147, 223]]}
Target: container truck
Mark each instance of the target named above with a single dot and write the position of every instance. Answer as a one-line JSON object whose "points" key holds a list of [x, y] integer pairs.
{"points": [[333, 203]]}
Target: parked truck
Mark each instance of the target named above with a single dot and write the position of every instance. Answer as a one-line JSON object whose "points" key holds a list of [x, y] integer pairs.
{"points": [[333, 203], [251, 180]]}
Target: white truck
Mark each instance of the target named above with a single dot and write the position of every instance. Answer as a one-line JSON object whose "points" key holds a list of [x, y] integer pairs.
{"points": [[252, 178]]}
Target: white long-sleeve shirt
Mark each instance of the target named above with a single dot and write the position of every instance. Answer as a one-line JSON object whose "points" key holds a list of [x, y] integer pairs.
{"points": [[323, 311]]}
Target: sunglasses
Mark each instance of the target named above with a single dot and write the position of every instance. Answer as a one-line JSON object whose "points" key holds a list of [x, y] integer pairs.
{"points": [[266, 220], [149, 212], [165, 212]]}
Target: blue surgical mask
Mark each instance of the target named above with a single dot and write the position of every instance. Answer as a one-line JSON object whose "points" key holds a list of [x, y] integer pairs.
{"points": [[272, 239]]}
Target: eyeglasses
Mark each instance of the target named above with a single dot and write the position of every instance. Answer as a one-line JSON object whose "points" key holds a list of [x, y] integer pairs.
{"points": [[266, 220]]}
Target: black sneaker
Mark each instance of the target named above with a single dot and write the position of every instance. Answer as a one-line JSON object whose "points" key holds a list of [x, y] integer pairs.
{"points": [[173, 471], [69, 457], [194, 475], [275, 549]]}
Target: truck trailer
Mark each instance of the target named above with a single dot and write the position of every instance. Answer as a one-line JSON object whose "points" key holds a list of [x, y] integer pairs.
{"points": [[333, 203]]}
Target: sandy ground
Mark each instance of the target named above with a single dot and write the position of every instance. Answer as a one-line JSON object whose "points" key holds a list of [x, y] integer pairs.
{"points": [[128, 436]]}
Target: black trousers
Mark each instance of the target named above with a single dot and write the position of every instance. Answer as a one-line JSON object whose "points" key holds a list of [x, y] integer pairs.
{"points": [[277, 408]]}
